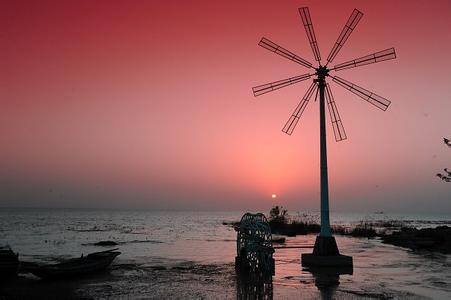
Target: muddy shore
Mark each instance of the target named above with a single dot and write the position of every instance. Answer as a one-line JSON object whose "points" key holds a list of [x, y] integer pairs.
{"points": [[189, 280]]}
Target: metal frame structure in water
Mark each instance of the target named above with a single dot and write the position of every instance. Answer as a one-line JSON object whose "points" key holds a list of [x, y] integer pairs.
{"points": [[254, 246]]}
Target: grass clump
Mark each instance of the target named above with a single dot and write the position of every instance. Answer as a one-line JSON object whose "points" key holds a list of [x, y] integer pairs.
{"points": [[363, 229], [282, 224]]}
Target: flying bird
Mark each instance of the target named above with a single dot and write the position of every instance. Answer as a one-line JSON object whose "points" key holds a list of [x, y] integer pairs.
{"points": [[447, 142]]}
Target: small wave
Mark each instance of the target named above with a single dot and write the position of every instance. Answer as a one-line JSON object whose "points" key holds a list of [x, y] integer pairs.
{"points": [[108, 227], [92, 229], [143, 241], [211, 240], [115, 243], [382, 294], [128, 230]]}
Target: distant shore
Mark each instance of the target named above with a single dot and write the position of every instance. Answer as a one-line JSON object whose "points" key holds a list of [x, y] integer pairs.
{"points": [[432, 239], [393, 232]]}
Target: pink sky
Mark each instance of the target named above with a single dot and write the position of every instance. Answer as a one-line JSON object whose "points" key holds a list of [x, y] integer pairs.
{"points": [[149, 104]]}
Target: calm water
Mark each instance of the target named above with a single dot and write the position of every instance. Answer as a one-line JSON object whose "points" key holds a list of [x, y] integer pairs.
{"points": [[154, 241]]}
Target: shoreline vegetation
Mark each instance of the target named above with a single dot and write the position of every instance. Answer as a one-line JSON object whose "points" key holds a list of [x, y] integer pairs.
{"points": [[394, 232]]}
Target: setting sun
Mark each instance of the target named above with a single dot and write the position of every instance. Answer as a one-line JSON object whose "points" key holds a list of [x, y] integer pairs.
{"points": [[273, 196]]}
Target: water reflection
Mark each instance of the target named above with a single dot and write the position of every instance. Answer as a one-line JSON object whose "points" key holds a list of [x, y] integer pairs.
{"points": [[327, 280], [252, 287]]}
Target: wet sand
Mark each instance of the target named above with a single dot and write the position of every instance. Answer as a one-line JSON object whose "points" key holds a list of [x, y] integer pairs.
{"points": [[26, 287], [380, 272], [186, 281], [191, 255]]}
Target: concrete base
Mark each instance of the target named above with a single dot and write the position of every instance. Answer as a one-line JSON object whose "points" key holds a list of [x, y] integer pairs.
{"points": [[336, 261], [325, 246], [326, 255]]}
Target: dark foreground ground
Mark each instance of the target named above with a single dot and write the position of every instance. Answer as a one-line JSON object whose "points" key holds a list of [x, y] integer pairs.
{"points": [[182, 281], [189, 281]]}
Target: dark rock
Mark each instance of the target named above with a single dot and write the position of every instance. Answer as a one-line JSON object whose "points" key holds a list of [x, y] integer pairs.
{"points": [[431, 239], [106, 243]]}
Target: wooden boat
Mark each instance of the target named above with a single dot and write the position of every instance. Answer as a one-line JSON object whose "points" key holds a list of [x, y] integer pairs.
{"points": [[9, 263], [75, 267]]}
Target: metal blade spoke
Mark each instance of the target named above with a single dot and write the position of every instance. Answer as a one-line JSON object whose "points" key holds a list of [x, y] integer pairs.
{"points": [[376, 100], [337, 125], [269, 87], [291, 123], [307, 21], [376, 57], [345, 33], [273, 47]]}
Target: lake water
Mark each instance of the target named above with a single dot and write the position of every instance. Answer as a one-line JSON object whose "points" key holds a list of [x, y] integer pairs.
{"points": [[191, 254]]}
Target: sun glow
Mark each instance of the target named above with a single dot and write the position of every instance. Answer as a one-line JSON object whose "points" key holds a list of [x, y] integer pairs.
{"points": [[273, 196]]}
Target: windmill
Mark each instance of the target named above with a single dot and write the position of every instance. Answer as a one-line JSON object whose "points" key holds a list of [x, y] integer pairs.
{"points": [[325, 244]]}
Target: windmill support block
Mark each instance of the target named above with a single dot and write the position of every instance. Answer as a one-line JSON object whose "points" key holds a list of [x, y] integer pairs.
{"points": [[325, 246], [326, 254]]}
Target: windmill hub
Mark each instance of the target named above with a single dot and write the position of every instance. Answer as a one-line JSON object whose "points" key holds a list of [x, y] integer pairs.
{"points": [[322, 72]]}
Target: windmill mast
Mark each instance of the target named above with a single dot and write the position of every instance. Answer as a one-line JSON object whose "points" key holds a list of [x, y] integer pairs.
{"points": [[325, 251], [325, 223]]}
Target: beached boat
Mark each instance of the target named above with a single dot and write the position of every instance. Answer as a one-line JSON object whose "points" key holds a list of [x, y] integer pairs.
{"points": [[75, 267], [9, 263]]}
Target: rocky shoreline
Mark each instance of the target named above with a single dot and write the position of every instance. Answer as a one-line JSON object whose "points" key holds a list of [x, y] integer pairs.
{"points": [[431, 239], [436, 239]]}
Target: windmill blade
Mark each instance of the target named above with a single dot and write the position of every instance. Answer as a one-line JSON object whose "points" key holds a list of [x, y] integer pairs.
{"points": [[376, 100], [376, 57], [273, 47], [337, 125], [345, 33], [307, 21], [269, 87], [293, 120]]}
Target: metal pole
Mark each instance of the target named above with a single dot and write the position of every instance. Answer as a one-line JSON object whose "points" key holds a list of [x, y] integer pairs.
{"points": [[325, 224]]}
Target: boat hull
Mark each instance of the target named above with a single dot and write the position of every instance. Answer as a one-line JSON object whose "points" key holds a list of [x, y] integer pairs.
{"points": [[76, 267]]}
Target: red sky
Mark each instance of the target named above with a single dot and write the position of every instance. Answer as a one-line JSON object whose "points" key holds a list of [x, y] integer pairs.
{"points": [[149, 104]]}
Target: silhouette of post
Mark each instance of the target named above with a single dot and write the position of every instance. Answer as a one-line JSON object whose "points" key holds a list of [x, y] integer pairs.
{"points": [[325, 223], [325, 244]]}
